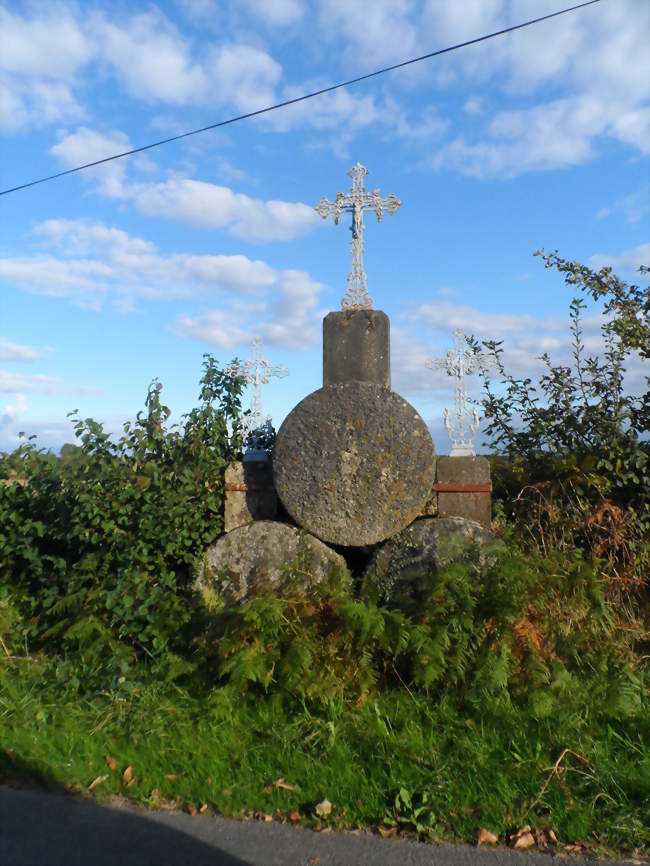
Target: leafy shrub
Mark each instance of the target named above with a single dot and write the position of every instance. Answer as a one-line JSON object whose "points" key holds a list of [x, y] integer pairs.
{"points": [[519, 628], [97, 547], [577, 473]]}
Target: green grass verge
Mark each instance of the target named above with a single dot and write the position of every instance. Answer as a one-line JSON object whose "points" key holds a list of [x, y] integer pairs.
{"points": [[457, 770]]}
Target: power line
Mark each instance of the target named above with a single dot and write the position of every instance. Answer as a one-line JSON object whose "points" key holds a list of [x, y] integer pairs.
{"points": [[302, 98]]}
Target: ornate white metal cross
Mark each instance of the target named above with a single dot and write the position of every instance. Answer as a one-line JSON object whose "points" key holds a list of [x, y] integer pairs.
{"points": [[356, 201], [460, 362], [256, 371]]}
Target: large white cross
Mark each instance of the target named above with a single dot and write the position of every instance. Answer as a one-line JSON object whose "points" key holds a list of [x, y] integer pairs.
{"points": [[256, 371], [460, 362], [356, 201]]}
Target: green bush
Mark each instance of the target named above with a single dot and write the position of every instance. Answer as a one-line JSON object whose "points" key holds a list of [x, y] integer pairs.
{"points": [[519, 629], [576, 472], [97, 547]]}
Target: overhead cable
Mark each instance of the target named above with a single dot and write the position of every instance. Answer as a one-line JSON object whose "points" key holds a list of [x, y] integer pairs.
{"points": [[302, 98]]}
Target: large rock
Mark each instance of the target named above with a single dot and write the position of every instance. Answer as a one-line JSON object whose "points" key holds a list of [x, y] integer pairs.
{"points": [[353, 463], [401, 564], [254, 558]]}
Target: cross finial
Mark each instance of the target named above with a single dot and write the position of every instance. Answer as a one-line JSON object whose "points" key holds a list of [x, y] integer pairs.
{"points": [[356, 201], [256, 371], [460, 362]]}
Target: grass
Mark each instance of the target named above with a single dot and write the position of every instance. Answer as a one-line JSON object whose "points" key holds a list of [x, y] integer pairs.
{"points": [[457, 770]]}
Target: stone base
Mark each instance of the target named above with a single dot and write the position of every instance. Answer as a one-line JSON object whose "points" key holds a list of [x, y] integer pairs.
{"points": [[404, 564], [250, 493], [356, 347], [474, 502], [257, 558]]}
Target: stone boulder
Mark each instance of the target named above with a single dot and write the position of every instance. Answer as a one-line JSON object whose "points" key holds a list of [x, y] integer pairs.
{"points": [[255, 558], [353, 463], [399, 566]]}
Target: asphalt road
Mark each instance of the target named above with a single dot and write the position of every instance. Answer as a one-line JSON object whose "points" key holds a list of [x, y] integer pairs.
{"points": [[38, 828]]}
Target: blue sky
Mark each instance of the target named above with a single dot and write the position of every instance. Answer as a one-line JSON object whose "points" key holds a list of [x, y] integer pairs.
{"points": [[116, 275]]}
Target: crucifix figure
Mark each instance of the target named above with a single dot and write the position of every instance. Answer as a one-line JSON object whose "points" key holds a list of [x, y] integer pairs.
{"points": [[256, 371], [460, 362], [356, 201]]}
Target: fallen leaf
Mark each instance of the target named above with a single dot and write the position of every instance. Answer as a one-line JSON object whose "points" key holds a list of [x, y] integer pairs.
{"points": [[386, 832], [486, 837], [552, 837], [526, 840], [127, 775], [295, 817], [110, 760], [203, 809], [573, 849], [280, 783], [171, 776], [323, 809], [97, 781], [191, 809]]}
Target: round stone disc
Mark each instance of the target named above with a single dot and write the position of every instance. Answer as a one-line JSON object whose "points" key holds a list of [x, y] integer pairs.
{"points": [[353, 463]]}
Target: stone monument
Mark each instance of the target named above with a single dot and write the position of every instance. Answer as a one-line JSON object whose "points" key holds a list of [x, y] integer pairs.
{"points": [[249, 491], [354, 462], [462, 480]]}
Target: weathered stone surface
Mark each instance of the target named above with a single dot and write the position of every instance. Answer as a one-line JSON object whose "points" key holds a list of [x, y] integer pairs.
{"points": [[353, 463], [356, 347], [254, 559], [401, 564], [250, 493], [470, 505]]}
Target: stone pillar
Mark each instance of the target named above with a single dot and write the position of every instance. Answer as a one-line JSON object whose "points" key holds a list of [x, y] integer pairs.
{"points": [[353, 462], [356, 347], [250, 493], [464, 488]]}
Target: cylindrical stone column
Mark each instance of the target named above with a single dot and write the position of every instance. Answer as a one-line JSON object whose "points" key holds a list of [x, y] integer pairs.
{"points": [[356, 347]]}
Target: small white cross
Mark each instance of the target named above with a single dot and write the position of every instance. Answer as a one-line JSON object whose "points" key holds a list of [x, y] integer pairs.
{"points": [[460, 362], [256, 371]]}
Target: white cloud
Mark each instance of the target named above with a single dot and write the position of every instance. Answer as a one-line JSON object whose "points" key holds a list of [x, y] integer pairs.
{"points": [[144, 52], [211, 206], [222, 328], [634, 206], [91, 264], [555, 135], [246, 77], [19, 383], [150, 58], [36, 82], [473, 321], [197, 202], [276, 13], [289, 318], [628, 260], [16, 352], [28, 45], [88, 145], [373, 33], [12, 411]]}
